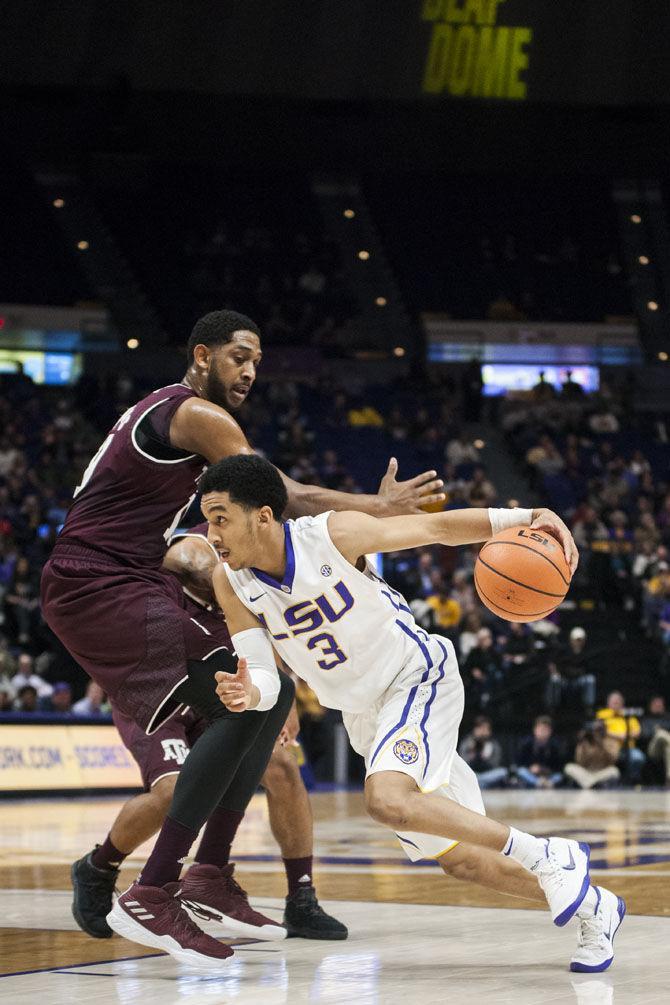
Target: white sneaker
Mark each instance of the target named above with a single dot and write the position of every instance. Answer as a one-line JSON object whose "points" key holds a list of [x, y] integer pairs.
{"points": [[563, 875], [595, 941]]}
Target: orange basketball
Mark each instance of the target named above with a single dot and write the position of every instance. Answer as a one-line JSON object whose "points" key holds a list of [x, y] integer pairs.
{"points": [[521, 574]]}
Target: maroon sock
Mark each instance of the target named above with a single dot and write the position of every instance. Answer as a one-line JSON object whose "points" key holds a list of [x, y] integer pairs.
{"points": [[107, 855], [298, 873], [172, 846], [218, 836]]}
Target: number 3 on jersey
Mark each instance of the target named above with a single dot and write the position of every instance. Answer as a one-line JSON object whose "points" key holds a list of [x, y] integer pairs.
{"points": [[328, 648]]}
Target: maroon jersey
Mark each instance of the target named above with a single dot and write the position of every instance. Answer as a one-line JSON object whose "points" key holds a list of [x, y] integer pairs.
{"points": [[137, 486]]}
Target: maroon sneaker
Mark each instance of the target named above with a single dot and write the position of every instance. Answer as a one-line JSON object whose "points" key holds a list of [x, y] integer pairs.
{"points": [[211, 894], [151, 916]]}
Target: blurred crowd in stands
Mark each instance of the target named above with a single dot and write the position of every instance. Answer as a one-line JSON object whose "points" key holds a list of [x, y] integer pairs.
{"points": [[505, 249], [253, 245], [551, 680]]}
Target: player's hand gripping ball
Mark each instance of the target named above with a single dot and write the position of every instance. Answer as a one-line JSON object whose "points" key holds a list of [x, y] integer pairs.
{"points": [[522, 574]]}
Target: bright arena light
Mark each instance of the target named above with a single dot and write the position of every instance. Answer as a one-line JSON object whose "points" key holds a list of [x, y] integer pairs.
{"points": [[82, 245], [133, 343], [364, 255]]}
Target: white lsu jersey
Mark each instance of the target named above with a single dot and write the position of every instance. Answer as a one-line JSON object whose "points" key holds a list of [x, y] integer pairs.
{"points": [[345, 632]]}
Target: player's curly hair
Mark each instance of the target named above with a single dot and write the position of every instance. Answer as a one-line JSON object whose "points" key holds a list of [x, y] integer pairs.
{"points": [[217, 328], [249, 480]]}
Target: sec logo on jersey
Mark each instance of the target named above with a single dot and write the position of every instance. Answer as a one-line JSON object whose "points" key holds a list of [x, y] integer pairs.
{"points": [[326, 570], [406, 751]]}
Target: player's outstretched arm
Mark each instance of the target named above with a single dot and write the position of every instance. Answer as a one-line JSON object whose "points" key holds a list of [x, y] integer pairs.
{"points": [[393, 497], [256, 683], [356, 534], [203, 428]]}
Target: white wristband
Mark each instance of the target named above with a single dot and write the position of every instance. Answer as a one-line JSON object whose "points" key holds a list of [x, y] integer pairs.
{"points": [[254, 645], [502, 519]]}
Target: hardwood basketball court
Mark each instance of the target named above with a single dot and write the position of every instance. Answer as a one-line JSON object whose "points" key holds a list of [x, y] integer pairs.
{"points": [[415, 935]]}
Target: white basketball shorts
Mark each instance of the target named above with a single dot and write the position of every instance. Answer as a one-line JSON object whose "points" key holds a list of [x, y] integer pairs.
{"points": [[413, 728]]}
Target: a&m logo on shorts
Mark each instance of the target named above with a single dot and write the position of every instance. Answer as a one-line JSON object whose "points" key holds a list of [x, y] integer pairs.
{"points": [[406, 751]]}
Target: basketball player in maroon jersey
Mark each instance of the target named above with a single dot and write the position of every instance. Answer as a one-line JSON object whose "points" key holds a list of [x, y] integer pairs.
{"points": [[160, 756], [125, 621]]}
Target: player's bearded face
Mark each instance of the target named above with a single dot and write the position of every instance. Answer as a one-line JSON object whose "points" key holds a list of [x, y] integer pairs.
{"points": [[232, 371]]}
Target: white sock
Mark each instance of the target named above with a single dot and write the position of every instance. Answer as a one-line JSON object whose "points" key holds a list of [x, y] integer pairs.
{"points": [[587, 908], [525, 849]]}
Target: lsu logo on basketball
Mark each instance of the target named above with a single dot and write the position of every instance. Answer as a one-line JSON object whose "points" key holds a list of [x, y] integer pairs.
{"points": [[406, 751], [534, 536]]}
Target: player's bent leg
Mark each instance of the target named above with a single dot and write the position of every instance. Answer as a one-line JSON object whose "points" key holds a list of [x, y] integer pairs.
{"points": [[561, 866], [470, 864], [140, 818], [290, 815], [93, 886]]}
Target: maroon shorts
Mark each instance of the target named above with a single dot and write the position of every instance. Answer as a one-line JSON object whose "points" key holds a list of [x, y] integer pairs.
{"points": [[164, 752], [132, 630]]}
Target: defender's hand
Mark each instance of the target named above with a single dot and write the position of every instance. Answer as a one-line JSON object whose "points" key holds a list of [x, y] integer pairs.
{"points": [[235, 689], [397, 498], [550, 523]]}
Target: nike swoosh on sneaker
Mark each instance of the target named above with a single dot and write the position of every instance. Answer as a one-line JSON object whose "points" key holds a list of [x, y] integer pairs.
{"points": [[569, 868], [252, 600]]}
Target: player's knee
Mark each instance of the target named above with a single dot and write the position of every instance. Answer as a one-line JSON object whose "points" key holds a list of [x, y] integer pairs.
{"points": [[282, 772], [385, 804], [161, 793]]}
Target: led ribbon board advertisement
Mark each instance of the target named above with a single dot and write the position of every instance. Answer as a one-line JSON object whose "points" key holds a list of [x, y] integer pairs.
{"points": [[41, 758]]}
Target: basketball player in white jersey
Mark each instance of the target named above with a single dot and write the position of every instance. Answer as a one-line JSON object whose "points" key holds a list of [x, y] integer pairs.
{"points": [[305, 588]]}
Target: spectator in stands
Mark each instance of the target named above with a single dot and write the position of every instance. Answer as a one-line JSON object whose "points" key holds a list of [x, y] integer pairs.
{"points": [[446, 612], [93, 705], [483, 753], [655, 735], [570, 389], [482, 671], [7, 661], [588, 527], [603, 420], [480, 489], [468, 637], [570, 674], [22, 600], [460, 450], [26, 699], [7, 696], [518, 646], [397, 424], [540, 760], [59, 701], [26, 675], [595, 758], [543, 390], [548, 460], [623, 729], [463, 592]]}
